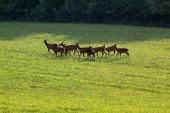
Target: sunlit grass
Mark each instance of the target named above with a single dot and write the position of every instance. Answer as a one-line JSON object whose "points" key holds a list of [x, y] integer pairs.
{"points": [[32, 80]]}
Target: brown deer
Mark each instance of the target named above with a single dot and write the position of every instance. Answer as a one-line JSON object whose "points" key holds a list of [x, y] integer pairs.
{"points": [[100, 49], [87, 50], [91, 53], [70, 48], [50, 46], [121, 50], [110, 49], [60, 50]]}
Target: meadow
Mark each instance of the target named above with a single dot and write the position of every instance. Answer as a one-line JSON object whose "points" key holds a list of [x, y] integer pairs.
{"points": [[34, 81]]}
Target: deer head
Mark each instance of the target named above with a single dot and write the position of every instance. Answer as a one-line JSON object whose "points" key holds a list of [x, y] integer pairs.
{"points": [[45, 41]]}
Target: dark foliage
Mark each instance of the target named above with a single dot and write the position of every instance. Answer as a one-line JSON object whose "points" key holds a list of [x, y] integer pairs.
{"points": [[155, 12]]}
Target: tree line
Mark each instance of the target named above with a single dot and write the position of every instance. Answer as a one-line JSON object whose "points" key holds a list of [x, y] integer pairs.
{"points": [[87, 11]]}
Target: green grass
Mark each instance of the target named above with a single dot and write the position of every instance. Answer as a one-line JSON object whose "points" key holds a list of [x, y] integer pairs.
{"points": [[34, 81]]}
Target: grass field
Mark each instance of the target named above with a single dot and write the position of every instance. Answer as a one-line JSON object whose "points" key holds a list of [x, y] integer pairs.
{"points": [[34, 81]]}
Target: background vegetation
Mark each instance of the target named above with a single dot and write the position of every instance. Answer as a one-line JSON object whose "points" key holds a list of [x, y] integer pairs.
{"points": [[152, 12]]}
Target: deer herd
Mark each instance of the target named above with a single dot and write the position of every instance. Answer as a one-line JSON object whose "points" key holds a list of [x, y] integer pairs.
{"points": [[64, 49]]}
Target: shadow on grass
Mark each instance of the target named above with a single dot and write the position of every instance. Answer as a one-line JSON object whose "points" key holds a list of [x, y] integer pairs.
{"points": [[84, 33]]}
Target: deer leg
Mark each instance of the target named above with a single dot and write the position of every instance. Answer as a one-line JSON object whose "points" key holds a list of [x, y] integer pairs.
{"points": [[48, 50], [74, 52], [61, 54], [105, 53], [94, 56], [117, 54], [97, 54], [69, 52], [56, 54], [127, 54], [66, 53], [88, 56], [102, 54], [91, 56], [108, 53], [77, 51], [79, 55], [120, 55]]}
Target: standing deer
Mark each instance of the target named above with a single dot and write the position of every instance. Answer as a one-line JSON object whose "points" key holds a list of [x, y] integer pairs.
{"points": [[110, 49], [89, 50], [121, 50], [100, 49], [70, 48], [50, 46], [60, 50]]}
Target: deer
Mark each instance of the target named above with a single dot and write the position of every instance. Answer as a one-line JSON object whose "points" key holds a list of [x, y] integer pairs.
{"points": [[100, 49], [60, 50], [110, 49], [91, 52], [121, 50], [50, 46], [86, 50], [70, 48]]}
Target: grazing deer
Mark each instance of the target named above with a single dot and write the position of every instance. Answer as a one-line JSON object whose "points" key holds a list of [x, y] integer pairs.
{"points": [[50, 46], [110, 49], [121, 50], [100, 49], [60, 50], [87, 50], [70, 47]]}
